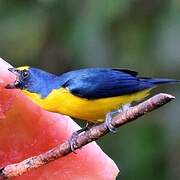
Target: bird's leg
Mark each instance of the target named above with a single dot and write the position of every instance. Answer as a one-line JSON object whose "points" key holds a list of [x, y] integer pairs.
{"points": [[124, 108], [75, 135], [110, 115]]}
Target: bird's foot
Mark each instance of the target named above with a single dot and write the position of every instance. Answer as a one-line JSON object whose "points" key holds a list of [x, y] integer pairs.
{"points": [[75, 135], [111, 115], [72, 140], [108, 121]]}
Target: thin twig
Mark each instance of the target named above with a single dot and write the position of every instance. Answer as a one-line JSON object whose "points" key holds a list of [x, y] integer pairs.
{"points": [[90, 135]]}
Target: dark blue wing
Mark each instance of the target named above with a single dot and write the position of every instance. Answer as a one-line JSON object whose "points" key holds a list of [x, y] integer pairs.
{"points": [[96, 83]]}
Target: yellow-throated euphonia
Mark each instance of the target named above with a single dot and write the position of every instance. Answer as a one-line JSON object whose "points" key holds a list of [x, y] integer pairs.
{"points": [[89, 94]]}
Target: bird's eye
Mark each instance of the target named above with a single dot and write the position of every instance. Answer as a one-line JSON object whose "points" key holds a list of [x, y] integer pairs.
{"points": [[25, 73]]}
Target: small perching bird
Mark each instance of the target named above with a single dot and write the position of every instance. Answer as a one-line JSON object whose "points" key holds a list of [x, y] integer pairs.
{"points": [[91, 94]]}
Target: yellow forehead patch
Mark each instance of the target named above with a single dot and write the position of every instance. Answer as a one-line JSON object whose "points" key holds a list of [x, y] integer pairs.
{"points": [[23, 68]]}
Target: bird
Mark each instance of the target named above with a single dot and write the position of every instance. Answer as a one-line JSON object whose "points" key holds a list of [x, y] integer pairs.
{"points": [[94, 95]]}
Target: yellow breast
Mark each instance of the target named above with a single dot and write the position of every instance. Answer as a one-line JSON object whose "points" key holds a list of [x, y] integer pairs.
{"points": [[63, 102]]}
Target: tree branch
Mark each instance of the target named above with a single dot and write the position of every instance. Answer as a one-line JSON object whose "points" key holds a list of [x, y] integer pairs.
{"points": [[90, 135]]}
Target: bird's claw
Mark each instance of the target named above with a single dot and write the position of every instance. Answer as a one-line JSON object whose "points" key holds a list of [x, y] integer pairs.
{"points": [[75, 135], [72, 141], [110, 115], [108, 121]]}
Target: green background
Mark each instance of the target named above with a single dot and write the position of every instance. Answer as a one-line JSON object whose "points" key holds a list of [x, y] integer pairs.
{"points": [[142, 35]]}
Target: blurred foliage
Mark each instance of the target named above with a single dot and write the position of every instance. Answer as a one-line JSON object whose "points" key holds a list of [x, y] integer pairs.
{"points": [[137, 34]]}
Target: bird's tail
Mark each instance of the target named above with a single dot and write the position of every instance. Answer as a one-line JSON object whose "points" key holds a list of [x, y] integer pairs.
{"points": [[159, 80]]}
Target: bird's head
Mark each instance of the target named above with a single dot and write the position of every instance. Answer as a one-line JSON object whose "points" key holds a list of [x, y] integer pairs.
{"points": [[23, 78], [33, 80]]}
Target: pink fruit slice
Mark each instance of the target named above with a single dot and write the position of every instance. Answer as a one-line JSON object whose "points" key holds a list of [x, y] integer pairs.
{"points": [[27, 130]]}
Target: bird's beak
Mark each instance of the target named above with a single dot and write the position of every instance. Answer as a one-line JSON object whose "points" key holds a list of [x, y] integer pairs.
{"points": [[14, 85], [14, 71]]}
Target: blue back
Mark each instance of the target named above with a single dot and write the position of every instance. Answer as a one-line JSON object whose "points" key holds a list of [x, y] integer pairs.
{"points": [[93, 83]]}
